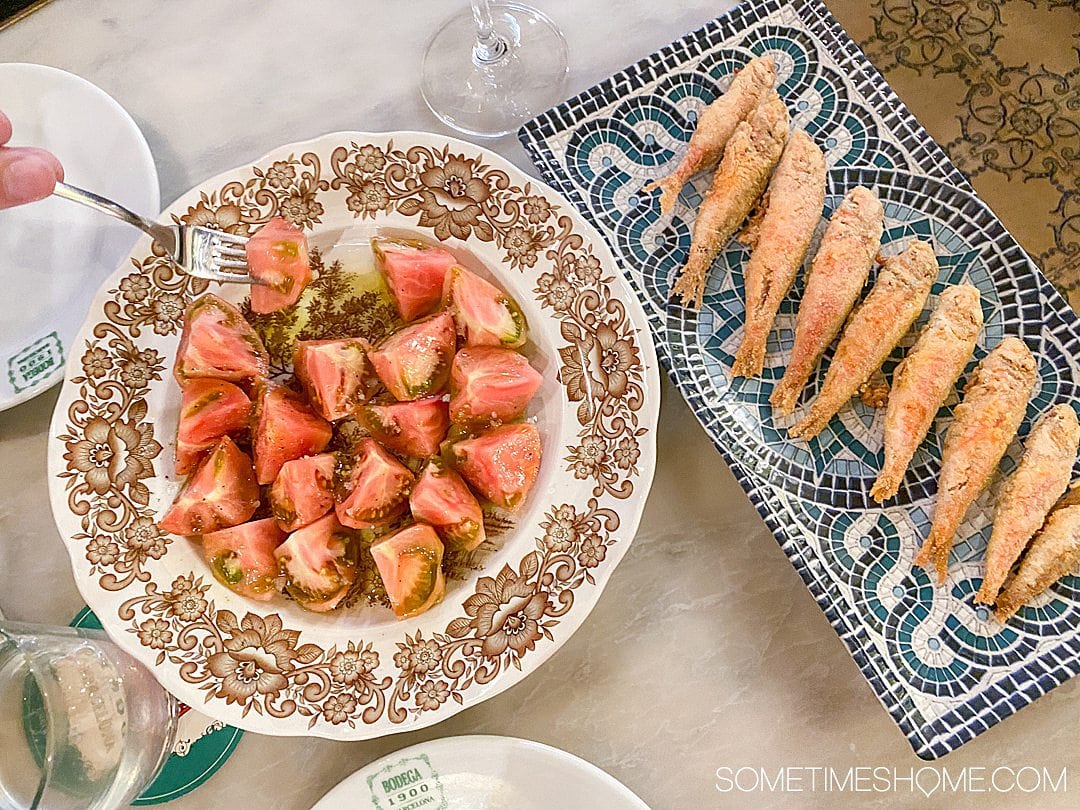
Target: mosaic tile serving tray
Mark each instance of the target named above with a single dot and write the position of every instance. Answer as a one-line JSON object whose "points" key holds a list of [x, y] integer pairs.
{"points": [[944, 668]]}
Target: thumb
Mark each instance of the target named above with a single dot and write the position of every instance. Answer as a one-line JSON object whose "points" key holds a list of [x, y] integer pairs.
{"points": [[26, 175]]}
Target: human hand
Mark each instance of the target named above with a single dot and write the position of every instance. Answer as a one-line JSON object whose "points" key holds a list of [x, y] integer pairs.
{"points": [[26, 174]]}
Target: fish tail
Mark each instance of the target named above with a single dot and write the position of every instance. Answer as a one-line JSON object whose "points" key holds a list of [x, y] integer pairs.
{"points": [[993, 576], [783, 396], [671, 185], [669, 192], [886, 485], [750, 358], [926, 552], [690, 285], [935, 550], [811, 425], [987, 594]]}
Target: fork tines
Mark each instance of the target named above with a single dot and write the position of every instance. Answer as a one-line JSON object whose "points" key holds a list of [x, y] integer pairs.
{"points": [[219, 256]]}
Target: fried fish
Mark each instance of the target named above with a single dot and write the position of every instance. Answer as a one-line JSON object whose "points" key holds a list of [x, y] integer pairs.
{"points": [[872, 332], [1029, 495], [744, 170], [837, 276], [874, 393], [983, 425], [1053, 554], [922, 382], [716, 125], [795, 196]]}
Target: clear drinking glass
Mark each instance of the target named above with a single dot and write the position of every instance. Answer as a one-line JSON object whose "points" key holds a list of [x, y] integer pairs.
{"points": [[488, 70], [82, 724]]}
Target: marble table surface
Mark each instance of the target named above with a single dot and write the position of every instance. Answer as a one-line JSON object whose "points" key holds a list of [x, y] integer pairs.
{"points": [[705, 651]]}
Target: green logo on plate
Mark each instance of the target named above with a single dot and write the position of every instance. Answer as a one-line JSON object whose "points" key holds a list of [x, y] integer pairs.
{"points": [[408, 784], [37, 361]]}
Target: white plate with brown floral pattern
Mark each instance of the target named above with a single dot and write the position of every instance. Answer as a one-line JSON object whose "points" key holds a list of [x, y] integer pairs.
{"points": [[358, 673]]}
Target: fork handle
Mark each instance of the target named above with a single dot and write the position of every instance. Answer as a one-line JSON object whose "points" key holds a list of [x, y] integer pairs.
{"points": [[161, 234]]}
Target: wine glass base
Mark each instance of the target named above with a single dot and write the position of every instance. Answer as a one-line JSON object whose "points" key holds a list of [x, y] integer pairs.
{"points": [[491, 99]]}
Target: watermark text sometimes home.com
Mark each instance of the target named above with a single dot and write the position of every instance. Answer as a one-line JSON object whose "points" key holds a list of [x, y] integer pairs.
{"points": [[927, 780]]}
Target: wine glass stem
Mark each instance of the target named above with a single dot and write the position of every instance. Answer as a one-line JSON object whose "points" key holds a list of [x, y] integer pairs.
{"points": [[489, 47]]}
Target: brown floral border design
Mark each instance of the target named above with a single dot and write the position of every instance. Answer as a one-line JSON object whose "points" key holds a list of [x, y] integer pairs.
{"points": [[253, 661]]}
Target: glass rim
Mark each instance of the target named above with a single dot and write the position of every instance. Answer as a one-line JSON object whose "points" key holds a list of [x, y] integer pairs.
{"points": [[10, 639], [11, 633]]}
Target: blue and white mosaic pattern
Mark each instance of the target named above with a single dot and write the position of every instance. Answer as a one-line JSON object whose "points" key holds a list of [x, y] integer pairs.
{"points": [[945, 669]]}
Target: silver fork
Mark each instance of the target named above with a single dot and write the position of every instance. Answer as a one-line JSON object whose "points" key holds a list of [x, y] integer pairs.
{"points": [[200, 251]]}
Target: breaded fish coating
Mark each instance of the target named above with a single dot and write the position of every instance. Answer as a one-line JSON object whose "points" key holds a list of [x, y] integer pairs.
{"points": [[984, 423], [872, 332], [923, 380], [1053, 554], [837, 276], [715, 126], [1029, 495], [744, 170], [796, 195]]}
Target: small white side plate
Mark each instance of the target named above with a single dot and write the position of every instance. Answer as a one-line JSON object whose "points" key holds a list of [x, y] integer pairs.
{"points": [[480, 773], [54, 254]]}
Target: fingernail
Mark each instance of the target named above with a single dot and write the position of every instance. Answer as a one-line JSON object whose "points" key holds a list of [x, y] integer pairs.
{"points": [[27, 178]]}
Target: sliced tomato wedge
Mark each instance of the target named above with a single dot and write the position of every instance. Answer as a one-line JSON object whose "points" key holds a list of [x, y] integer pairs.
{"points": [[218, 342], [489, 385], [411, 428], [376, 490], [485, 315], [242, 557], [414, 362], [277, 255], [222, 492], [415, 272], [209, 409], [332, 373], [319, 564], [410, 564], [303, 491], [501, 464], [442, 499], [285, 428]]}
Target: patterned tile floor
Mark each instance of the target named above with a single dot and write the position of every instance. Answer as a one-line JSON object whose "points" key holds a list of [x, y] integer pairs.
{"points": [[998, 85]]}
